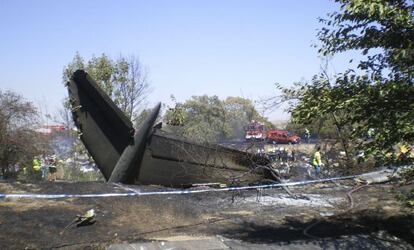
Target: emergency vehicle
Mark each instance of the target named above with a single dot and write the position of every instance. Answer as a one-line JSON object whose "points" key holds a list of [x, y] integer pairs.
{"points": [[255, 131], [279, 136]]}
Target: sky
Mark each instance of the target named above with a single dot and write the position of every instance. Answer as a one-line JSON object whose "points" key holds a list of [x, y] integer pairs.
{"points": [[215, 47]]}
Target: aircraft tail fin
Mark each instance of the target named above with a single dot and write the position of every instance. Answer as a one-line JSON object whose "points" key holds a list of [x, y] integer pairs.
{"points": [[104, 128]]}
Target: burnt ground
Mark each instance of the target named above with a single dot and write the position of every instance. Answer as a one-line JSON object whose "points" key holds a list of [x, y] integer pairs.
{"points": [[247, 220]]}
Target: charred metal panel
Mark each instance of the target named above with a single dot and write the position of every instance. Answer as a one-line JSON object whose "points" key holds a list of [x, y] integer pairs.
{"points": [[182, 174], [181, 162], [168, 146]]}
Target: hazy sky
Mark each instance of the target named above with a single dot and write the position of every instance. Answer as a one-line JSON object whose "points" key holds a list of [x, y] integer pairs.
{"points": [[224, 48]]}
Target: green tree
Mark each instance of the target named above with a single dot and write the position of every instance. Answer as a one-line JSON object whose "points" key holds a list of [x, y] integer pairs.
{"points": [[77, 63], [381, 29], [205, 118], [240, 112], [102, 70], [319, 128], [125, 80], [380, 97], [323, 104], [209, 119], [19, 142], [175, 115]]}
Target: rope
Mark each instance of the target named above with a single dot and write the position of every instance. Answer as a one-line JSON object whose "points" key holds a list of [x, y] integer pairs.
{"points": [[170, 192]]}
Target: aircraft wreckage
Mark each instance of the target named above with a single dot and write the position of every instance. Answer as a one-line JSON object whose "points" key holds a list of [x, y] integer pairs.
{"points": [[150, 154]]}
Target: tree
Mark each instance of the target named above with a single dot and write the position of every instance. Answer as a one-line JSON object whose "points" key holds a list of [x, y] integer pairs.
{"points": [[132, 86], [209, 119], [380, 97], [323, 103], [77, 63], [319, 128], [205, 119], [124, 80], [19, 143], [381, 29], [64, 116], [102, 70], [240, 112]]}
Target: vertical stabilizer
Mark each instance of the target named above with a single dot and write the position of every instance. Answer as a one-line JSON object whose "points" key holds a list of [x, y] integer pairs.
{"points": [[104, 129]]}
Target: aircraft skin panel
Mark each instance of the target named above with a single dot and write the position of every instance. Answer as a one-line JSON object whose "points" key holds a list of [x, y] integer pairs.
{"points": [[181, 163], [183, 174], [178, 149]]}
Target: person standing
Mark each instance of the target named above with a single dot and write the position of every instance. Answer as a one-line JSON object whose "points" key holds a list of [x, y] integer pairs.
{"points": [[307, 135], [44, 168], [52, 170], [317, 160], [37, 165]]}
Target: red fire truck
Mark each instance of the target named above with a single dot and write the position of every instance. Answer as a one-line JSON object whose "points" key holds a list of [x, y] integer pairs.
{"points": [[255, 131]]}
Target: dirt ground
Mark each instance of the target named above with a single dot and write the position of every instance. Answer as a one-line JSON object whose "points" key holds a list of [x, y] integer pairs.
{"points": [[250, 217]]}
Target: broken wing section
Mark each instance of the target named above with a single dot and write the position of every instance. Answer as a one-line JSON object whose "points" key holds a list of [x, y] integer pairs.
{"points": [[104, 129]]}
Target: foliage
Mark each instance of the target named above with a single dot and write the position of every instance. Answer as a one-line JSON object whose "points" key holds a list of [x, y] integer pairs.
{"points": [[209, 119], [384, 31], [380, 98], [381, 29], [240, 112], [318, 128], [205, 119], [407, 198], [73, 173], [125, 80], [175, 115], [77, 63], [19, 143]]}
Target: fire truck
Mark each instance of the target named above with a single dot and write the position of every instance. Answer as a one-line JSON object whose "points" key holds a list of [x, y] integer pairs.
{"points": [[49, 129], [255, 131]]}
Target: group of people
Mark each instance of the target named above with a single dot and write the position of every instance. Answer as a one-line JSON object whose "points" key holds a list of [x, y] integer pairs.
{"points": [[285, 155], [280, 154], [45, 168]]}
